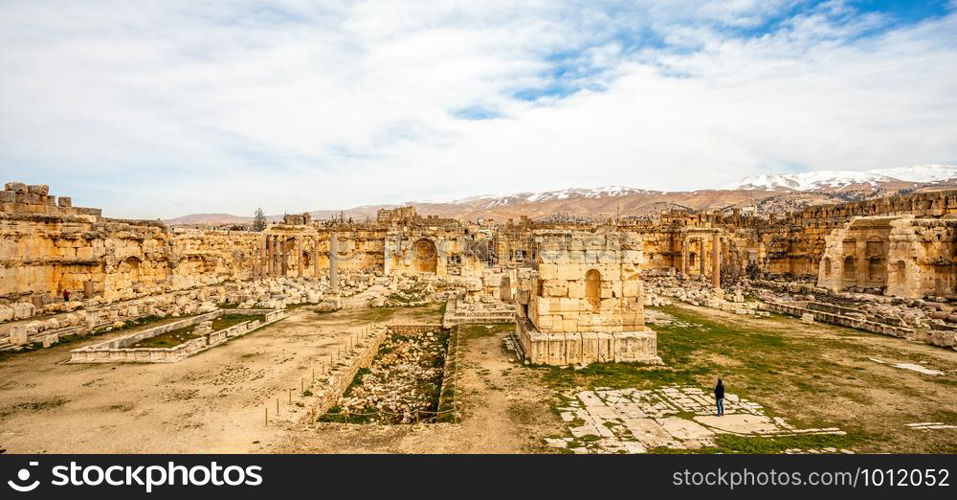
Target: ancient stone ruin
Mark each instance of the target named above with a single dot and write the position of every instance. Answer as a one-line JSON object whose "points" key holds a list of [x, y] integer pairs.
{"points": [[585, 304], [575, 289]]}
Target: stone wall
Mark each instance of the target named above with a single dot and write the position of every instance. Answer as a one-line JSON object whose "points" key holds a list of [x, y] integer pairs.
{"points": [[99, 316], [901, 256], [904, 246], [585, 303], [343, 373], [43, 254]]}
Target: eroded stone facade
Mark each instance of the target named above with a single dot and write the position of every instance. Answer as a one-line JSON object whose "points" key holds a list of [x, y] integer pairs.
{"points": [[585, 304], [900, 248], [901, 256]]}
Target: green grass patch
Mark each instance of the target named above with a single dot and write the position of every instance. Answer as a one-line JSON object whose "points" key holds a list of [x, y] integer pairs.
{"points": [[169, 339], [813, 376], [130, 323], [697, 350], [176, 337], [763, 445], [71, 339], [228, 320]]}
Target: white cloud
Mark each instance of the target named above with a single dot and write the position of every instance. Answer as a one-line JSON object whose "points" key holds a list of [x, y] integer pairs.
{"points": [[159, 109]]}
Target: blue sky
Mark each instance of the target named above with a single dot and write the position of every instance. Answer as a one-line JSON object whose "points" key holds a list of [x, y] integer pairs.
{"points": [[158, 109]]}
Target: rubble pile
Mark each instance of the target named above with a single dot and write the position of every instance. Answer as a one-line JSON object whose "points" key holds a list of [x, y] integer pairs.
{"points": [[929, 321], [277, 293], [661, 286], [402, 384], [353, 283], [92, 317], [417, 290]]}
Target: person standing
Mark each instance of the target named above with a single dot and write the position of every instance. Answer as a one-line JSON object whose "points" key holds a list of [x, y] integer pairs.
{"points": [[66, 295], [719, 397]]}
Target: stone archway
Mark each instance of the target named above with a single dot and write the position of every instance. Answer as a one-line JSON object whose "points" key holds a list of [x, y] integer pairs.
{"points": [[425, 257]]}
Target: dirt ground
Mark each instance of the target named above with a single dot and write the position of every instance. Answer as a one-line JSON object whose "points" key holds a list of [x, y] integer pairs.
{"points": [[505, 408], [214, 402], [813, 375]]}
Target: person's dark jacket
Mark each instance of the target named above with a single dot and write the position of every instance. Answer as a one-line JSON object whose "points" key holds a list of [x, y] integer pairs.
{"points": [[719, 391]]}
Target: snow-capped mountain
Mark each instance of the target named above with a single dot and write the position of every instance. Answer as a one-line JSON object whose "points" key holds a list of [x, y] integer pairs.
{"points": [[921, 173], [837, 179], [786, 192], [499, 200]]}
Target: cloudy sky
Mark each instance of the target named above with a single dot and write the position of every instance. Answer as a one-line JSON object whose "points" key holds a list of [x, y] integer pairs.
{"points": [[159, 109]]}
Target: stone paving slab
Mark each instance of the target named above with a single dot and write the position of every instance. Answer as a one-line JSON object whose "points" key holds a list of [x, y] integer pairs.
{"points": [[684, 429], [930, 426], [650, 433], [740, 424], [677, 417]]}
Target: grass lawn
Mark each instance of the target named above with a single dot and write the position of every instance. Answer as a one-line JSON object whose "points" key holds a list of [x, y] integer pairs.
{"points": [[812, 375], [71, 339], [176, 337]]}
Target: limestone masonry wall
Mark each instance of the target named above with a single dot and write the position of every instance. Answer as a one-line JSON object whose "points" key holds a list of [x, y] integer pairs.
{"points": [[566, 278]]}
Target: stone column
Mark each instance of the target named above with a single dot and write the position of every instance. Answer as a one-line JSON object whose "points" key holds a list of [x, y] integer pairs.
{"points": [[271, 259], [716, 260], [262, 258], [315, 255], [277, 256], [387, 260], [684, 254], [283, 256], [702, 246], [333, 263], [298, 247]]}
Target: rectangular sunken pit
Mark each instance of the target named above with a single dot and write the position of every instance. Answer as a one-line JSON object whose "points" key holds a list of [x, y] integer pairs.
{"points": [[175, 341], [402, 384]]}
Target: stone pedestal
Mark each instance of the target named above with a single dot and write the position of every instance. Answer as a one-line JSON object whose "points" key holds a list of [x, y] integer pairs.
{"points": [[582, 348]]}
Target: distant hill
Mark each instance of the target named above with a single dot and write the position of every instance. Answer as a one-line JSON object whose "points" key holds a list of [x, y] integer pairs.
{"points": [[208, 219], [761, 193], [838, 180]]}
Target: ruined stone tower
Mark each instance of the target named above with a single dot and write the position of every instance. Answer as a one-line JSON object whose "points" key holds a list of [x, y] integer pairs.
{"points": [[586, 303]]}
